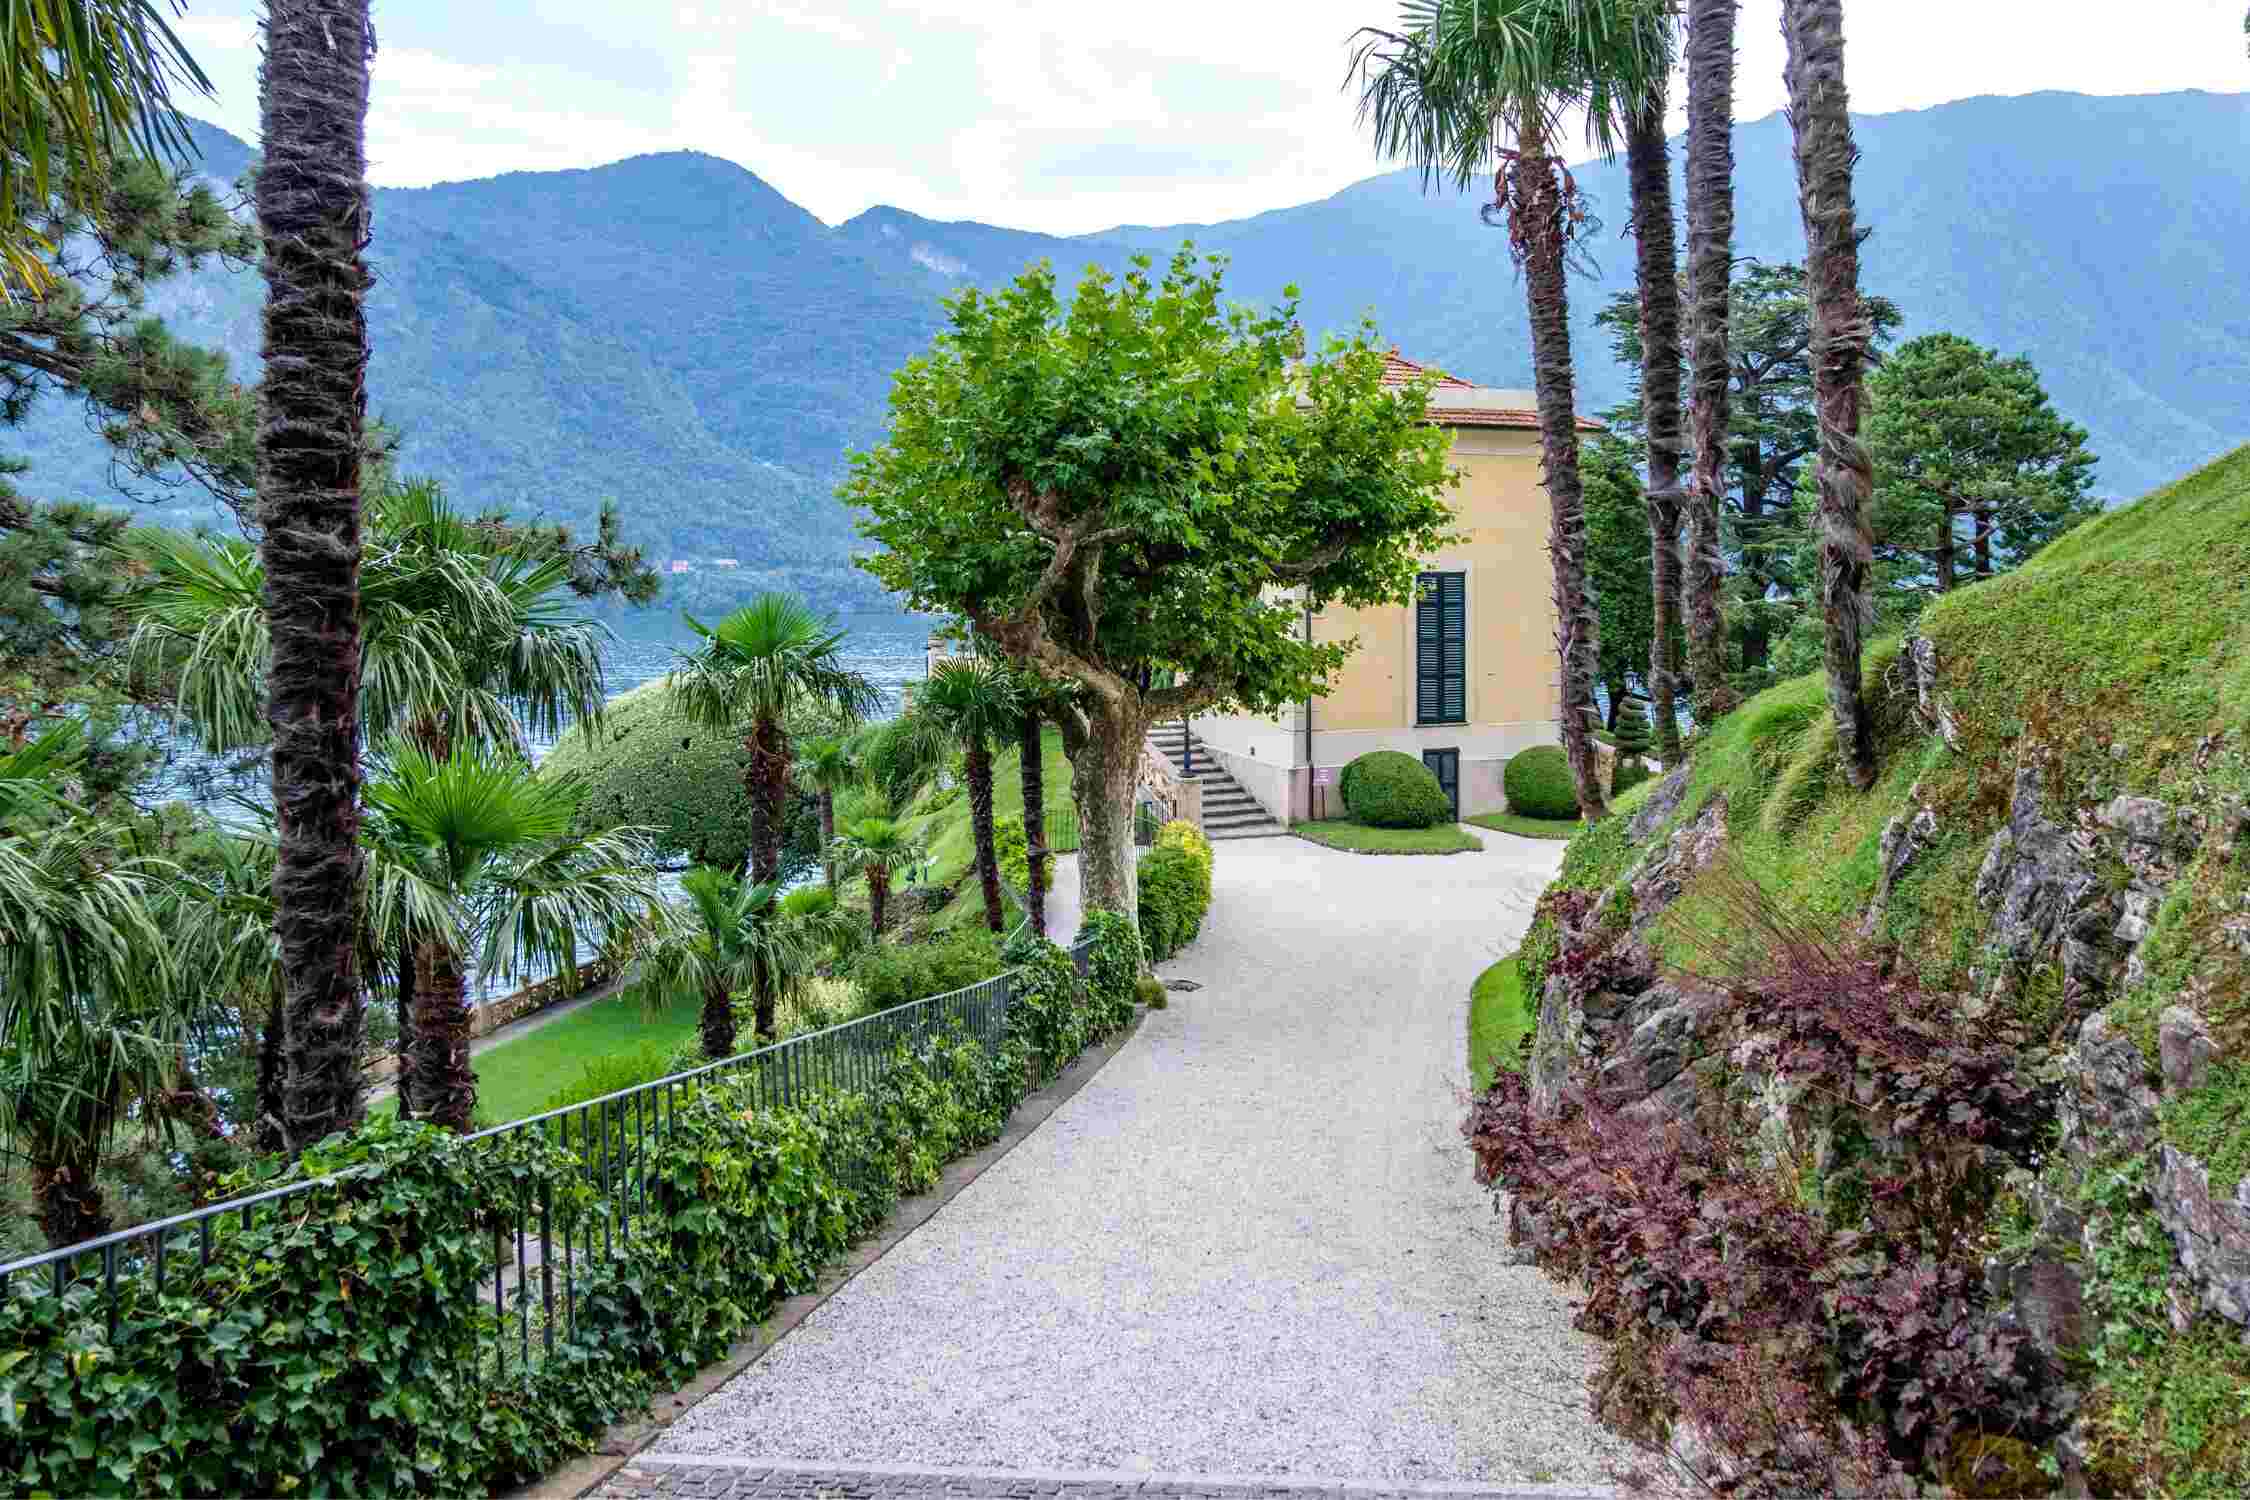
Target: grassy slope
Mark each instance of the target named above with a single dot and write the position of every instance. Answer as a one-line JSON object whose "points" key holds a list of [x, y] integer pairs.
{"points": [[951, 842], [1360, 838], [2106, 661], [1498, 1020]]}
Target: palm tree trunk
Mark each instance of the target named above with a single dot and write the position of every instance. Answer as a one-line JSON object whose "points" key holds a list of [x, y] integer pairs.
{"points": [[768, 780], [1649, 162], [443, 1079], [977, 767], [718, 1021], [405, 1028], [313, 202], [1947, 550], [1545, 216], [878, 898], [1032, 748], [828, 835], [273, 1035], [70, 1202], [1821, 122], [1710, 233]]}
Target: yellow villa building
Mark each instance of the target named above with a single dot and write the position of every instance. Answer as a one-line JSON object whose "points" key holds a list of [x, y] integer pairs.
{"points": [[1465, 677]]}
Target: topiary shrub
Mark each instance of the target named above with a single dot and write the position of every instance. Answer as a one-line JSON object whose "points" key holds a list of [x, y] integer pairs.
{"points": [[1012, 849], [1632, 733], [646, 765], [1175, 889], [1391, 789], [1538, 784]]}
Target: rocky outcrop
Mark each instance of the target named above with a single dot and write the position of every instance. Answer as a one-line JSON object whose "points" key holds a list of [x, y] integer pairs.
{"points": [[2210, 1232], [2108, 1105], [1904, 839], [1662, 801], [2185, 1049], [1929, 704], [1658, 880], [2038, 881]]}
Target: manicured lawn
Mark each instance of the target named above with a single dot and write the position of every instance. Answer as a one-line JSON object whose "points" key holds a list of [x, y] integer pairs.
{"points": [[1358, 838], [516, 1078], [1530, 828], [1499, 1019]]}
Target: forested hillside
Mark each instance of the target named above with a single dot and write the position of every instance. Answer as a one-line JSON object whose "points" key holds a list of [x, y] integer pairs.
{"points": [[671, 332]]}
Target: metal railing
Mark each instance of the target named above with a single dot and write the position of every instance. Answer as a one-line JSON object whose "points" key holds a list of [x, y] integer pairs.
{"points": [[535, 1264]]}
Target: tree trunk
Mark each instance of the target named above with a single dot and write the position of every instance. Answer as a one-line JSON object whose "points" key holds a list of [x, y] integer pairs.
{"points": [[70, 1202], [1946, 550], [718, 1021], [767, 780], [313, 212], [828, 835], [1818, 113], [443, 1080], [1649, 161], [765, 998], [1984, 523], [1102, 777], [1032, 748], [976, 767], [878, 898], [1710, 234], [405, 1028], [1577, 627]]}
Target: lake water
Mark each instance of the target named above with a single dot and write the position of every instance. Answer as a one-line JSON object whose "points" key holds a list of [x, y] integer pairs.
{"points": [[890, 650]]}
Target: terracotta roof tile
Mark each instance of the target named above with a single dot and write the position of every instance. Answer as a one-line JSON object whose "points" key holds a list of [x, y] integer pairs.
{"points": [[1493, 416], [1398, 370]]}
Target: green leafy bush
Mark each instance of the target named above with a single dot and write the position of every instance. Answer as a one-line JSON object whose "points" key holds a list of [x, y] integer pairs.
{"points": [[889, 974], [1630, 773], [1175, 889], [1538, 783], [1012, 847], [615, 1071], [1049, 1008], [1391, 789], [1113, 967], [1152, 992], [352, 1339]]}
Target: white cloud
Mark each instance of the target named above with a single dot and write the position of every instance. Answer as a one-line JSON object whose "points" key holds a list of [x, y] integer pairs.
{"points": [[1067, 119]]}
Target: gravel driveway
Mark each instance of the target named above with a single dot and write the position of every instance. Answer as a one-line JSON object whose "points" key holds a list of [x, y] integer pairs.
{"points": [[1249, 1246]]}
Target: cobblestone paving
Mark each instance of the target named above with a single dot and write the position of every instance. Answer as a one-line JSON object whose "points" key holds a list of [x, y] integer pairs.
{"points": [[752, 1481]]}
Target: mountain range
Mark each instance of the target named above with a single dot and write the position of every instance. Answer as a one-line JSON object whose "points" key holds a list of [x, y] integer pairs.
{"points": [[671, 332]]}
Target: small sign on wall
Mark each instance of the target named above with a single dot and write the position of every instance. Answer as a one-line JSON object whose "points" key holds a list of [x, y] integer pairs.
{"points": [[1324, 776]]}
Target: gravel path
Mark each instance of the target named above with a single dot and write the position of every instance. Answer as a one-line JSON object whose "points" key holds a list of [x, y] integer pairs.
{"points": [[1249, 1246]]}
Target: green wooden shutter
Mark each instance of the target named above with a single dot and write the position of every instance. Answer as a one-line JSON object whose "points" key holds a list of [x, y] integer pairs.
{"points": [[1441, 648], [1453, 624]]}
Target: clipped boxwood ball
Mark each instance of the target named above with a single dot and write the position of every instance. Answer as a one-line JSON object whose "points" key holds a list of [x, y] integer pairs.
{"points": [[1391, 789], [1538, 784]]}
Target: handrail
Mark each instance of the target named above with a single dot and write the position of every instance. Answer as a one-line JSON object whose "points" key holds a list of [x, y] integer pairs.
{"points": [[826, 1037]]}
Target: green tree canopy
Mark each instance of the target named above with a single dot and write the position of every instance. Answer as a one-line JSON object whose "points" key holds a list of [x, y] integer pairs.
{"points": [[1963, 438], [1129, 480]]}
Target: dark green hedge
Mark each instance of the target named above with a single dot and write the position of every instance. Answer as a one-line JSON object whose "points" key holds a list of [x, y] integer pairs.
{"points": [[1174, 889], [1391, 789], [894, 973], [1538, 784], [345, 1344]]}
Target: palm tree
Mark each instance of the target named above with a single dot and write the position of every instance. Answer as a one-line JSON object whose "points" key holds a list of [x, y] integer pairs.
{"points": [[972, 700], [88, 1021], [1710, 236], [829, 765], [1450, 90], [879, 849], [488, 870], [753, 667], [1034, 694], [467, 635], [313, 215], [1649, 167], [731, 938], [81, 81], [1820, 123]]}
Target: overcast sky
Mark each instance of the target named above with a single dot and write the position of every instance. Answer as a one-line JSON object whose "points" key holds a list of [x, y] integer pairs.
{"points": [[1067, 118]]}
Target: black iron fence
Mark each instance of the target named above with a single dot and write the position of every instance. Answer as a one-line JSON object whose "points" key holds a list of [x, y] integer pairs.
{"points": [[537, 1254]]}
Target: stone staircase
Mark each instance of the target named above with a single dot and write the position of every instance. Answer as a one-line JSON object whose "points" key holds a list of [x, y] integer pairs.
{"points": [[1229, 812]]}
